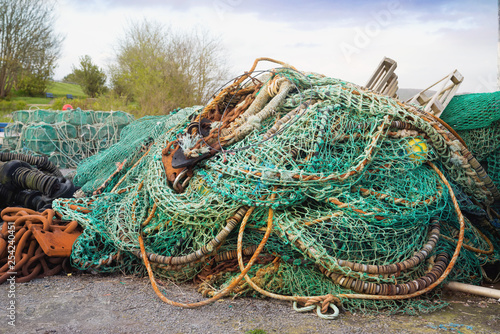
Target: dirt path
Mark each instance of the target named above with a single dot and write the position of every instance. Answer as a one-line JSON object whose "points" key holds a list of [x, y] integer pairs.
{"points": [[119, 304]]}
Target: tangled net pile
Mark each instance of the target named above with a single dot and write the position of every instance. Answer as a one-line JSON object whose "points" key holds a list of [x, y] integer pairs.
{"points": [[321, 192]]}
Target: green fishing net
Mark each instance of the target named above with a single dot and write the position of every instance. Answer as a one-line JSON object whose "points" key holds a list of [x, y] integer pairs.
{"points": [[472, 111], [345, 177], [476, 118]]}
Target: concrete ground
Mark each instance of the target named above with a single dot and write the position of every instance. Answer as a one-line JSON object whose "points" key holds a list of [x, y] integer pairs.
{"points": [[84, 303]]}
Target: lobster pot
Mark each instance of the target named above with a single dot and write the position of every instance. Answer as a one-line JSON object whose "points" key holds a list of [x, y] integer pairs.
{"points": [[41, 146], [41, 131], [40, 138], [76, 117], [119, 118], [91, 147], [119, 130], [69, 135], [62, 116], [14, 130], [87, 148], [58, 159], [100, 116], [44, 116], [107, 131], [23, 116], [66, 130], [69, 147], [88, 132], [102, 144], [10, 144]]}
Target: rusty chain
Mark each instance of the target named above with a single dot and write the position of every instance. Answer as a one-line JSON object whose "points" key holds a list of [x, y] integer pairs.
{"points": [[34, 244]]}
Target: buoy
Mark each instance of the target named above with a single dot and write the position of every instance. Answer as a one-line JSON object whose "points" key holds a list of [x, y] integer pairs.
{"points": [[418, 150], [67, 107]]}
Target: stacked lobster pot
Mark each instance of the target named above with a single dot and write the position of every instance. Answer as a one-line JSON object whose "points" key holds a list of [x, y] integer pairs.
{"points": [[65, 137]]}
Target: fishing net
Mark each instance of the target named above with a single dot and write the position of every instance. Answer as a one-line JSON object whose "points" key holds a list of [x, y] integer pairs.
{"points": [[66, 137], [476, 118], [472, 111], [136, 137], [348, 183]]}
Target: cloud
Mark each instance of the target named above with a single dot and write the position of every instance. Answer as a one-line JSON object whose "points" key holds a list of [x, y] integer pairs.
{"points": [[428, 39], [304, 45], [119, 4]]}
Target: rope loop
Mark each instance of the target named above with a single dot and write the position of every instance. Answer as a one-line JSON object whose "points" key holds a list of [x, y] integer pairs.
{"points": [[324, 315], [321, 304], [303, 309]]}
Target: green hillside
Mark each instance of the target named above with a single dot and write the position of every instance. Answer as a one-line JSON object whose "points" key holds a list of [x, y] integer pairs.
{"points": [[60, 89]]}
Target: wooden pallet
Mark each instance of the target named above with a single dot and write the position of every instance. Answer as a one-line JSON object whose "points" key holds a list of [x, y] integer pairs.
{"points": [[384, 80], [440, 99]]}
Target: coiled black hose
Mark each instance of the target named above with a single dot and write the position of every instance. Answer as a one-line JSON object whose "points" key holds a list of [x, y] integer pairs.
{"points": [[5, 196], [42, 163], [18, 175], [27, 178], [20, 184], [32, 199]]}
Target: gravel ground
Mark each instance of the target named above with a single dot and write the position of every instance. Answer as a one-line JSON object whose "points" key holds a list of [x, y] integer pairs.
{"points": [[85, 303]]}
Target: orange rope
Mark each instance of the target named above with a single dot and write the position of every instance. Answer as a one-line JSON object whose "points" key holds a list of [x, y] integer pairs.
{"points": [[450, 265], [364, 296], [449, 128], [230, 287], [128, 172], [304, 299], [490, 250]]}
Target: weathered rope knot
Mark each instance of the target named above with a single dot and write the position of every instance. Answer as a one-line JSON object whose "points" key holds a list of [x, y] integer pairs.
{"points": [[324, 301]]}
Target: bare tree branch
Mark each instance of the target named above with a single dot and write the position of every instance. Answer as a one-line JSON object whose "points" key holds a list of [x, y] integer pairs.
{"points": [[29, 47], [163, 70]]}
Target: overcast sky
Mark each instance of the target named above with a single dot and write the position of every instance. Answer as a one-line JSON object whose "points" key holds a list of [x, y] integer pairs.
{"points": [[342, 39]]}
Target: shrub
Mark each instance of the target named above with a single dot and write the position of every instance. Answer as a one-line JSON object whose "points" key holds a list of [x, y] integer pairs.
{"points": [[9, 106]]}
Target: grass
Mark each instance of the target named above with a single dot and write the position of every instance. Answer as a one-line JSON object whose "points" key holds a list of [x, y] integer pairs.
{"points": [[19, 102], [32, 100], [4, 118], [62, 88], [59, 89], [6, 107]]}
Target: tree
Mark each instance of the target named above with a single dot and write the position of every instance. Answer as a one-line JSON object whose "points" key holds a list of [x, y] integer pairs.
{"points": [[29, 47], [70, 78], [89, 76], [162, 70]]}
